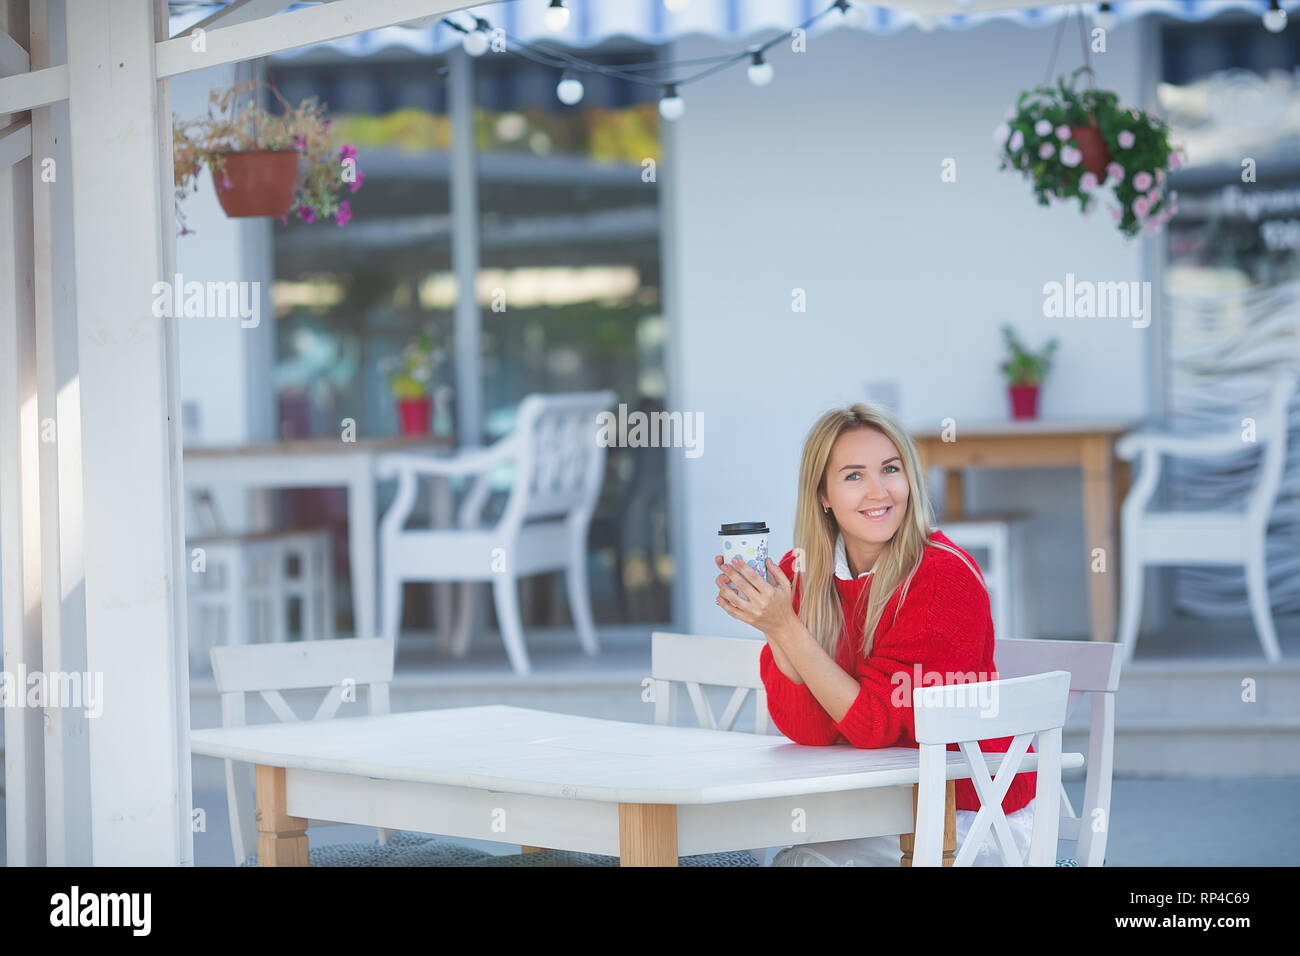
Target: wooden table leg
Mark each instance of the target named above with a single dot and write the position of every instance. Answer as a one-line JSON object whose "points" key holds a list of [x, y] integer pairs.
{"points": [[525, 848], [281, 839], [907, 841], [647, 834], [1098, 526], [954, 496]]}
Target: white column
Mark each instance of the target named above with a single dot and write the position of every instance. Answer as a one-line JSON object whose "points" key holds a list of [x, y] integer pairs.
{"points": [[63, 610], [134, 582], [20, 542], [464, 248]]}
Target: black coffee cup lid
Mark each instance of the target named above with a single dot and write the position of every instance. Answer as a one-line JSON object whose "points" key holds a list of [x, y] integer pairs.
{"points": [[744, 527]]}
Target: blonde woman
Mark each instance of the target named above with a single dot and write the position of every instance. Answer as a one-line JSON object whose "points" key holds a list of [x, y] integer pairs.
{"points": [[878, 596]]}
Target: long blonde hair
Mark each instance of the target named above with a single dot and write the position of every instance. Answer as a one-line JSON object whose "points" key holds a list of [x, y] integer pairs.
{"points": [[816, 531]]}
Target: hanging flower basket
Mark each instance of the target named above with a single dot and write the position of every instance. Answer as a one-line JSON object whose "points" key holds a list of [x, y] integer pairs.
{"points": [[265, 163], [1081, 144], [256, 183]]}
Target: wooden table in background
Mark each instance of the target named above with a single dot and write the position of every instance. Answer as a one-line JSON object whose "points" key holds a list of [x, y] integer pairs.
{"points": [[1086, 444], [325, 463]]}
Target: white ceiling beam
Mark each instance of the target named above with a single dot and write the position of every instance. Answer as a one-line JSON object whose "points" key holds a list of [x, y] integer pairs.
{"points": [[288, 31], [15, 143], [27, 91]]}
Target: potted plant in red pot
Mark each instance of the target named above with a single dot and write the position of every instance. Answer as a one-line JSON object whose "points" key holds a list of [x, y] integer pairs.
{"points": [[1025, 372], [265, 163], [412, 385]]}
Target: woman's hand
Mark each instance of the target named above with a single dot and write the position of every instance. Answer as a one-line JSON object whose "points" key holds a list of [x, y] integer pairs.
{"points": [[766, 607]]}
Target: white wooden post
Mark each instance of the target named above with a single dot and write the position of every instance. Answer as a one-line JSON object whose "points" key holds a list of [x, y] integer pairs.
{"points": [[63, 610], [464, 249], [20, 542], [134, 583]]}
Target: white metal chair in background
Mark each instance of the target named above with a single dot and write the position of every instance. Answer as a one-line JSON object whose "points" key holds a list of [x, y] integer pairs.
{"points": [[956, 713], [254, 577], [1000, 535], [559, 467], [267, 669], [730, 662], [1209, 537], [1094, 668]]}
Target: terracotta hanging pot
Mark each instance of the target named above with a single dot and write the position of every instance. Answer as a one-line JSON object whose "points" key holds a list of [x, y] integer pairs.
{"points": [[1096, 154], [257, 183]]}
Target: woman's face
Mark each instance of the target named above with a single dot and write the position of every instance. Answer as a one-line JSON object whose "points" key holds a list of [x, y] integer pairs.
{"points": [[865, 474]]}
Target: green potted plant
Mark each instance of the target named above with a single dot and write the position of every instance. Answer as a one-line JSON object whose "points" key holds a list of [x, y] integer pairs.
{"points": [[1025, 372], [264, 163], [411, 380], [1081, 144]]}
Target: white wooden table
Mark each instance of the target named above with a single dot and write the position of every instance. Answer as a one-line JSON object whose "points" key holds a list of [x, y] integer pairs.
{"points": [[643, 792], [323, 463]]}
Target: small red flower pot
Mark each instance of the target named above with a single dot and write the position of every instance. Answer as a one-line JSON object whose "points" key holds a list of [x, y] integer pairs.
{"points": [[414, 415], [1096, 154], [1024, 401], [259, 183]]}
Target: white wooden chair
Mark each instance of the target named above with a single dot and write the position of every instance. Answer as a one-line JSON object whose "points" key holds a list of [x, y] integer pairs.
{"points": [[249, 578], [1207, 537], [559, 467], [267, 669], [1000, 535], [955, 713], [1094, 668], [711, 661]]}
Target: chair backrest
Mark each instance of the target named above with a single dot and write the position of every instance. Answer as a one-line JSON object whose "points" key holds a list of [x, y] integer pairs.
{"points": [[268, 669], [1272, 432], [717, 661], [1094, 668], [965, 714], [560, 464]]}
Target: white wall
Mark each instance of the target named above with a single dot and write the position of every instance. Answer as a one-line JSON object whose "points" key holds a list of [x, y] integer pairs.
{"points": [[829, 180], [225, 369]]}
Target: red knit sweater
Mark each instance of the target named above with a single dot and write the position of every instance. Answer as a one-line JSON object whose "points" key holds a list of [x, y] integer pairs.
{"points": [[944, 626]]}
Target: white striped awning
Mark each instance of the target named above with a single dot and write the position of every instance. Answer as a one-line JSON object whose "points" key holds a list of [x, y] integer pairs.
{"points": [[650, 21]]}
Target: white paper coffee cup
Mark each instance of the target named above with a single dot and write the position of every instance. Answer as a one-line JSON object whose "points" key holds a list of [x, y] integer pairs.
{"points": [[746, 540]]}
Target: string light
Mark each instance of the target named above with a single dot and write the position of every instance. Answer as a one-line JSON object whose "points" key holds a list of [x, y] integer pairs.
{"points": [[1104, 17], [760, 71], [475, 41], [1274, 17], [570, 89], [556, 16], [671, 106]]}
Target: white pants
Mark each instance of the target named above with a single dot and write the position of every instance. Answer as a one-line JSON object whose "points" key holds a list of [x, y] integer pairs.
{"points": [[884, 850]]}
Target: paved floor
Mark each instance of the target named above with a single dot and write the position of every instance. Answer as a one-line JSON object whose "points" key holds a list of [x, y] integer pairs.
{"points": [[1239, 822]]}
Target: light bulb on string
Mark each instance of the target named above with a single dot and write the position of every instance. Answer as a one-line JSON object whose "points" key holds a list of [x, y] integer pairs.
{"points": [[1104, 17], [760, 71], [556, 16], [570, 89], [1274, 17], [671, 106], [852, 14], [475, 41]]}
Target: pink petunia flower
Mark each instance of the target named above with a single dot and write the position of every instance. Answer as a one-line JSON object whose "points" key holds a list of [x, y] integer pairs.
{"points": [[1115, 171], [1116, 214], [1126, 139], [1046, 150], [1141, 206], [1070, 156], [1063, 132], [1142, 181], [1088, 182], [1001, 134], [1174, 161], [1016, 141], [347, 151], [1154, 196], [356, 184], [1042, 127], [344, 213], [306, 213]]}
